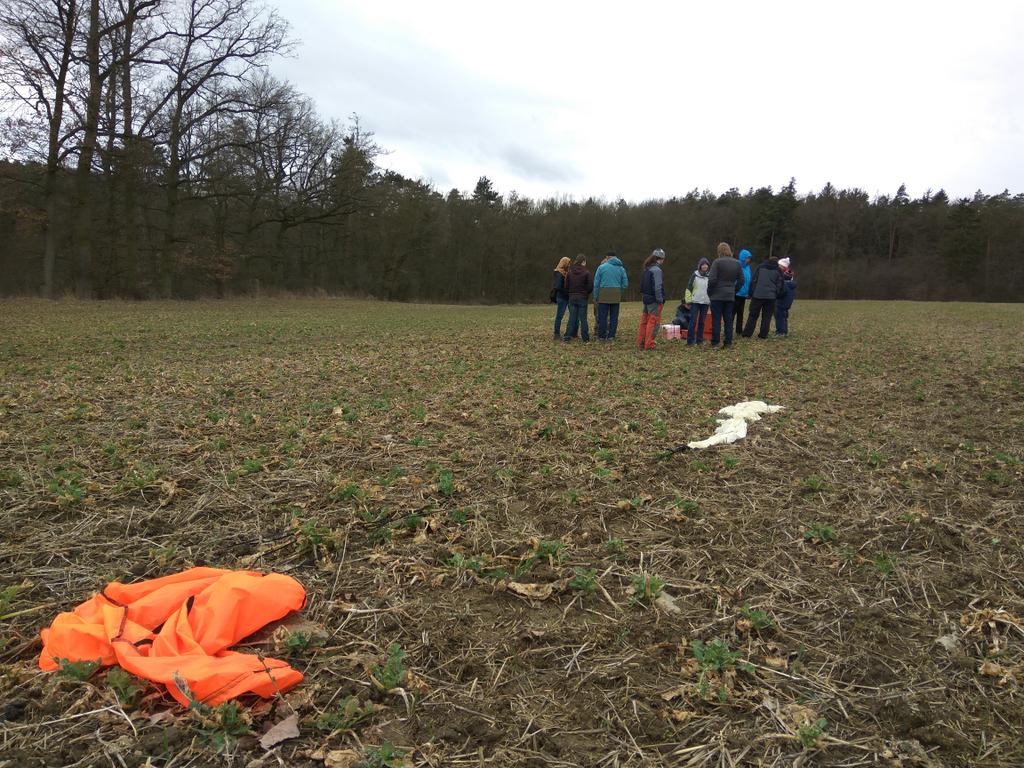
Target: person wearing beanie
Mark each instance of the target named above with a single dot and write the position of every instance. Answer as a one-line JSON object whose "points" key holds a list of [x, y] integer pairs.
{"points": [[697, 300], [610, 281], [578, 285], [559, 296], [743, 292], [765, 289], [652, 293], [725, 277], [786, 300]]}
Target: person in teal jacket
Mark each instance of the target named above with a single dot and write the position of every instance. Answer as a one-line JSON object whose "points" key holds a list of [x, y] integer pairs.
{"points": [[743, 292], [610, 281]]}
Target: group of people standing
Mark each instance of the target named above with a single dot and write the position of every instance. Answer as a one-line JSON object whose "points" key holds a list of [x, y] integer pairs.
{"points": [[573, 284], [722, 287]]}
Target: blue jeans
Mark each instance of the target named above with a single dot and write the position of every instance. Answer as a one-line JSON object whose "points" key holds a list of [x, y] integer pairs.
{"points": [[577, 319], [607, 320], [695, 333], [560, 307], [781, 320], [721, 310]]}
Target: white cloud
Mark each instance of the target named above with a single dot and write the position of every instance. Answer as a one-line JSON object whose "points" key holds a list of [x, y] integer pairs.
{"points": [[650, 99]]}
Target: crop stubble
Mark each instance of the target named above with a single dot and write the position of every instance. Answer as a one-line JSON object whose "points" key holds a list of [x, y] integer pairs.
{"points": [[373, 450]]}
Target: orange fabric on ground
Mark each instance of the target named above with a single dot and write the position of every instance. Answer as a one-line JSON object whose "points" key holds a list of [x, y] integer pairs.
{"points": [[182, 625]]}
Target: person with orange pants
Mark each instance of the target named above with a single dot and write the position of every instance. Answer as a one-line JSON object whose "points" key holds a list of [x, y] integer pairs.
{"points": [[652, 294]]}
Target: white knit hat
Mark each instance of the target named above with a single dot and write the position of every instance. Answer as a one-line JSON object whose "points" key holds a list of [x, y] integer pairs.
{"points": [[784, 263]]}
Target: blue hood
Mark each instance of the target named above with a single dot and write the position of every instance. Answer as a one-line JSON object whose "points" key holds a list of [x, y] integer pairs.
{"points": [[745, 256], [615, 260]]}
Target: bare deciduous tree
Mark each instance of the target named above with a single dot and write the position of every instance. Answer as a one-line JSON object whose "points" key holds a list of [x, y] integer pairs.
{"points": [[35, 66], [210, 47]]}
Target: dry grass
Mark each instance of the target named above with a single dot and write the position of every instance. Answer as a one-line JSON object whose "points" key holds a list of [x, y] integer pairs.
{"points": [[410, 464]]}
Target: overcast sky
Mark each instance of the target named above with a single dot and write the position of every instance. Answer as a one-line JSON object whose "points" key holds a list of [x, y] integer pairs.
{"points": [[644, 100]]}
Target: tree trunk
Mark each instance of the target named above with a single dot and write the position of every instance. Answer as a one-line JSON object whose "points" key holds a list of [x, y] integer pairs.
{"points": [[988, 256], [50, 248], [129, 166], [110, 269], [53, 153], [165, 259], [85, 230], [832, 279], [278, 261]]}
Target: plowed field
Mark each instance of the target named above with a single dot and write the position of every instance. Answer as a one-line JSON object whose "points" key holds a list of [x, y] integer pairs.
{"points": [[842, 588]]}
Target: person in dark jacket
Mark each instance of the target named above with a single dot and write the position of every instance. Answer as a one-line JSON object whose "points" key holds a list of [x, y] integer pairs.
{"points": [[682, 318], [743, 292], [561, 295], [725, 277], [652, 293], [787, 299], [578, 285], [765, 290]]}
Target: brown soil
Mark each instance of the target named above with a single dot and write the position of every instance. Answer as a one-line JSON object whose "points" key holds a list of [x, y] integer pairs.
{"points": [[439, 452]]}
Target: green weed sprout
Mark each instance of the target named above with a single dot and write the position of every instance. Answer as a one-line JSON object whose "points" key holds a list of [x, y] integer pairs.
{"points": [[393, 673]]}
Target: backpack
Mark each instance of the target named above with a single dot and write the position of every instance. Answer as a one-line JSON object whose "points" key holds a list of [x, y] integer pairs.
{"points": [[553, 296]]}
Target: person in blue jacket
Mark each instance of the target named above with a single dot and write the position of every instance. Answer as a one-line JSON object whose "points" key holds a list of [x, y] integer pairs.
{"points": [[743, 291], [610, 281], [787, 298]]}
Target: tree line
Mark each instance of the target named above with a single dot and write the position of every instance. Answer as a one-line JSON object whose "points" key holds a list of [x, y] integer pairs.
{"points": [[150, 152]]}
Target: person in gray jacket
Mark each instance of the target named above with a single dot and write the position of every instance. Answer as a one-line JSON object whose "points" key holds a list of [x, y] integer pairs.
{"points": [[766, 287], [725, 277]]}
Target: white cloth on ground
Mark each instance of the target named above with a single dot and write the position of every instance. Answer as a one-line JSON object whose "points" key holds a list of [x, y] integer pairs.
{"points": [[734, 426]]}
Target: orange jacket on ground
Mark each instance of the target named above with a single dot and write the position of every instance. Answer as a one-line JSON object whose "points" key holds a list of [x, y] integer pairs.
{"points": [[182, 625]]}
